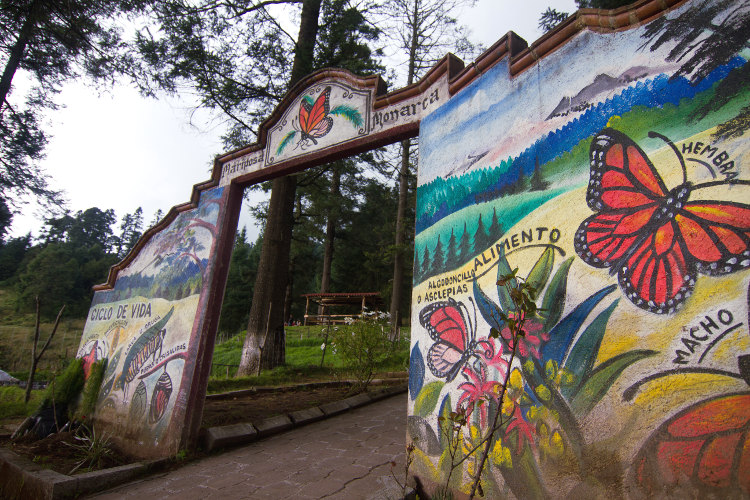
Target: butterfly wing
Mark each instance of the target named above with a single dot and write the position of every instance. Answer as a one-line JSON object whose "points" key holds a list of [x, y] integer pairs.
{"points": [[313, 119], [707, 442], [716, 235], [622, 176], [659, 274], [446, 323]]}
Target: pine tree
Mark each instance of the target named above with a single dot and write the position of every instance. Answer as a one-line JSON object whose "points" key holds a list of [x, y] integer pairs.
{"points": [[426, 264], [438, 258], [480, 237], [451, 254], [537, 182], [496, 229], [464, 246]]}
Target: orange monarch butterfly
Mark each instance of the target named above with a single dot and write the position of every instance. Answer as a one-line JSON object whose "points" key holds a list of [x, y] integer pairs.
{"points": [[314, 120], [654, 238], [705, 446]]}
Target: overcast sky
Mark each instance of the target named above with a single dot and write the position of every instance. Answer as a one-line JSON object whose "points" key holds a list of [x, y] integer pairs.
{"points": [[121, 151]]}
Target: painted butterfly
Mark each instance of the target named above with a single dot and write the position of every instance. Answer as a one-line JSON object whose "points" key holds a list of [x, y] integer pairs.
{"points": [[706, 444], [314, 121], [446, 322], [653, 237]]}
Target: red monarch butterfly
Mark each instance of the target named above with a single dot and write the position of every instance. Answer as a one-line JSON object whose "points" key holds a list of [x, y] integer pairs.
{"points": [[706, 444], [446, 322], [653, 237], [314, 121]]}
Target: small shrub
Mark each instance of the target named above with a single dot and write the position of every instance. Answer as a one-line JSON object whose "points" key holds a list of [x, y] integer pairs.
{"points": [[91, 390], [363, 345], [92, 449], [66, 387]]}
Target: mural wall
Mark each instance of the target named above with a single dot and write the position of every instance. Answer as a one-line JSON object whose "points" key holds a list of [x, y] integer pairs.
{"points": [[148, 327], [613, 174]]}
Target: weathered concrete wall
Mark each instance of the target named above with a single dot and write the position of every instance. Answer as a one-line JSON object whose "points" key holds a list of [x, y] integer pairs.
{"points": [[613, 173], [148, 327]]}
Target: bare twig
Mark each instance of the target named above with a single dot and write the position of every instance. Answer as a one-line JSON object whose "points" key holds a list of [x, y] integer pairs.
{"points": [[34, 357]]}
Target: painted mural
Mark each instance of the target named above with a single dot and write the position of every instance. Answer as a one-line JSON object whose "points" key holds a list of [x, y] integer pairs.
{"points": [[145, 326], [329, 113], [613, 175]]}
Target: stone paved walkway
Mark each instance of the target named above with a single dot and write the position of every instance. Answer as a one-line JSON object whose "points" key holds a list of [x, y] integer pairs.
{"points": [[345, 457]]}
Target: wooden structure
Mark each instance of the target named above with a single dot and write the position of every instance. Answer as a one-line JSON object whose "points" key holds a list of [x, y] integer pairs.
{"points": [[325, 301]]}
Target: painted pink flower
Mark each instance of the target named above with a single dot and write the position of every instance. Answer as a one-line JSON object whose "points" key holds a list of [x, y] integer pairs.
{"points": [[477, 392], [525, 429], [531, 341], [492, 355]]}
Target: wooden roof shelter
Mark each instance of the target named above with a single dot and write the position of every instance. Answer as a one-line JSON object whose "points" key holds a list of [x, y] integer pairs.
{"points": [[326, 301]]}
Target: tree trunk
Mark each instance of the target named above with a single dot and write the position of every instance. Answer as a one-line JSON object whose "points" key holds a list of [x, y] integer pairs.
{"points": [[16, 52], [331, 219], [403, 188], [398, 255], [273, 269]]}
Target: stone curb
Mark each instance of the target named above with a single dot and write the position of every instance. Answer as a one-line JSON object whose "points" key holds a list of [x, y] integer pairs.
{"points": [[226, 436], [20, 478], [309, 385]]}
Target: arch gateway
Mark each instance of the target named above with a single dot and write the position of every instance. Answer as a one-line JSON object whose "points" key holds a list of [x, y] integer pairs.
{"points": [[607, 162]]}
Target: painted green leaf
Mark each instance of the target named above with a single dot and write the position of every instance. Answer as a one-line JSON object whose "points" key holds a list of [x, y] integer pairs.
{"points": [[602, 378], [563, 333], [285, 141], [351, 114], [445, 425], [524, 478], [554, 298], [308, 100], [487, 308], [583, 355], [503, 269], [427, 399], [541, 271]]}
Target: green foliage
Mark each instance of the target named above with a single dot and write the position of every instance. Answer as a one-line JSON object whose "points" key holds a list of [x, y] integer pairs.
{"points": [[91, 390], [302, 361], [92, 449], [240, 283], [12, 404], [62, 273], [66, 387], [427, 399], [362, 346]]}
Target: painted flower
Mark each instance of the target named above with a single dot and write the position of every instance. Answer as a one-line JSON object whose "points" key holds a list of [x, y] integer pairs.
{"points": [[492, 355], [524, 428], [477, 392], [531, 340]]}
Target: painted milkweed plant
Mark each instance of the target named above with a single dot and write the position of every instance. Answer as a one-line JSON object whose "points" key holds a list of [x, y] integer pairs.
{"points": [[526, 384]]}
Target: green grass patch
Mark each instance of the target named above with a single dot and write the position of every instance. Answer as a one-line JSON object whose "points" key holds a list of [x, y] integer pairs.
{"points": [[12, 405], [303, 357]]}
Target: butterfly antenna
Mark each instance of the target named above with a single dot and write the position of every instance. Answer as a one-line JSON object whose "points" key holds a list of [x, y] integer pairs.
{"points": [[474, 329], [653, 134]]}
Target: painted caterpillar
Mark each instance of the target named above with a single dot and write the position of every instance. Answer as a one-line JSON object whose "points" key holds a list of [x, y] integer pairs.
{"points": [[146, 346]]}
